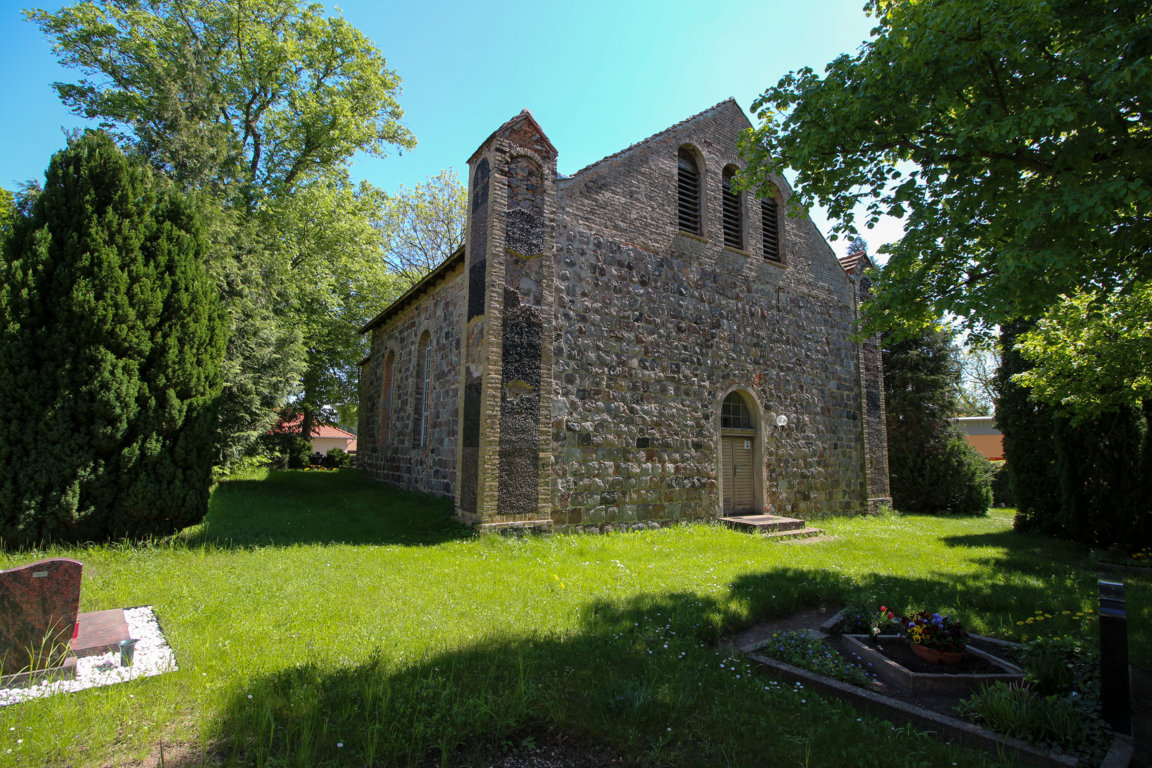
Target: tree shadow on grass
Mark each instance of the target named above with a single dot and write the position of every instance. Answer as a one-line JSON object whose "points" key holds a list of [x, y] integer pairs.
{"points": [[344, 507], [643, 678]]}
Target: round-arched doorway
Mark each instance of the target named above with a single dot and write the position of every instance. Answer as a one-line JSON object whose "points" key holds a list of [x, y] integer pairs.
{"points": [[741, 491]]}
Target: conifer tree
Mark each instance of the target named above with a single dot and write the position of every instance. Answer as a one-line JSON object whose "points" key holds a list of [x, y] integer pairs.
{"points": [[112, 338], [932, 467]]}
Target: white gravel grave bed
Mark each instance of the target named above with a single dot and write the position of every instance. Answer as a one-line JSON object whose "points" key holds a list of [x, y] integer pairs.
{"points": [[152, 657]]}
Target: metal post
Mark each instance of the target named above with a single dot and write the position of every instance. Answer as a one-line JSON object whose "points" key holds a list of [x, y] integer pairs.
{"points": [[1114, 681]]}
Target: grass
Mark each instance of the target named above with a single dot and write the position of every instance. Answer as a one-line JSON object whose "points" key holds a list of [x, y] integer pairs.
{"points": [[320, 619]]}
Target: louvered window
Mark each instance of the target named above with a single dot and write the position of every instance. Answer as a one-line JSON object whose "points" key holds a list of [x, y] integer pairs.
{"points": [[733, 223], [771, 229], [688, 189]]}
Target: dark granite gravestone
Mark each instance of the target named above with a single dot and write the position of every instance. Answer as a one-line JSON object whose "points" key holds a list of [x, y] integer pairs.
{"points": [[1115, 683], [38, 607]]}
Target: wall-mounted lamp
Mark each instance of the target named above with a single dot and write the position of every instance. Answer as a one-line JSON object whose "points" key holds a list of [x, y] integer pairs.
{"points": [[781, 420]]}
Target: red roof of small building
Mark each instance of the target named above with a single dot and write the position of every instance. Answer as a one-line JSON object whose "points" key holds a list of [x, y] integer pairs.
{"points": [[292, 426]]}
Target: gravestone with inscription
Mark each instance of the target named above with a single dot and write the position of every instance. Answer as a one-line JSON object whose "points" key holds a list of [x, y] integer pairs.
{"points": [[38, 608]]}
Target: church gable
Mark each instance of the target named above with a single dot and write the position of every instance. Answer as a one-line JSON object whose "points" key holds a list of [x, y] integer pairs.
{"points": [[611, 323]]}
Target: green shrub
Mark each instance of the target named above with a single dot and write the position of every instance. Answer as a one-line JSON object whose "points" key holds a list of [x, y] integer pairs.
{"points": [[1000, 484], [338, 459], [1090, 481], [112, 339]]}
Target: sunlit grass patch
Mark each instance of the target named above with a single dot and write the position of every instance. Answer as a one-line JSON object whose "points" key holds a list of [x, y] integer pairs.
{"points": [[369, 628]]}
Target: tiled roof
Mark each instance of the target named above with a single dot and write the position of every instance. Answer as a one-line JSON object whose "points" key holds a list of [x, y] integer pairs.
{"points": [[292, 426]]}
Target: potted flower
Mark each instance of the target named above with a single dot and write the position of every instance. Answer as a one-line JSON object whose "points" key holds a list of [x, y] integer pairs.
{"points": [[883, 622], [937, 638]]}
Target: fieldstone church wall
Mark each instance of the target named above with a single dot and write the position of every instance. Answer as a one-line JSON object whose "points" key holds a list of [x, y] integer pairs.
{"points": [[389, 446], [588, 345]]}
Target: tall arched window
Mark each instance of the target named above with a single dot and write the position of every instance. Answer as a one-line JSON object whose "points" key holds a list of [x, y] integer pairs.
{"points": [[770, 228], [688, 192], [733, 211], [421, 402], [387, 390]]}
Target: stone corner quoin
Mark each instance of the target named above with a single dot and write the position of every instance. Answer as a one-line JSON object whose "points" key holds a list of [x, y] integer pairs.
{"points": [[588, 360]]}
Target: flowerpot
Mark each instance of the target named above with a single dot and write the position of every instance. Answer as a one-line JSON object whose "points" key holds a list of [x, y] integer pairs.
{"points": [[127, 651], [933, 656]]}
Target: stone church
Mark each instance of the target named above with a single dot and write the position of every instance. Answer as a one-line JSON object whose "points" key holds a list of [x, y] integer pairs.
{"points": [[637, 344]]}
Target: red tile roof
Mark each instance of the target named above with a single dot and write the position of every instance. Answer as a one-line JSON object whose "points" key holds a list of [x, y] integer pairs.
{"points": [[292, 426]]}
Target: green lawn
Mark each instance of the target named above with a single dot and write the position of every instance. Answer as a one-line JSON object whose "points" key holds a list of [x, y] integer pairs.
{"points": [[320, 619]]}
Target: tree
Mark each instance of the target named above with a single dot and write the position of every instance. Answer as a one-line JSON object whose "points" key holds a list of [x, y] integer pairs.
{"points": [[1087, 478], [263, 94], [112, 337], [1091, 354], [979, 361], [339, 281], [248, 102], [1015, 136], [7, 214], [932, 467], [423, 226]]}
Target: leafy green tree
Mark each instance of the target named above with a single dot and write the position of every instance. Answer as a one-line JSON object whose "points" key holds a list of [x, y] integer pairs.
{"points": [[423, 226], [112, 338], [1013, 135], [932, 468], [1091, 353], [339, 281], [1088, 478], [263, 94], [7, 214], [248, 102]]}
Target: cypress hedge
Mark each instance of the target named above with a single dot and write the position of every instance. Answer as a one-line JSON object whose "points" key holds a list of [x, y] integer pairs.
{"points": [[112, 338], [1089, 480]]}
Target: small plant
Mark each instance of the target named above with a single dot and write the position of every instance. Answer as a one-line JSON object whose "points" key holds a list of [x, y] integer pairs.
{"points": [[856, 617], [1058, 665], [936, 631], [1070, 724], [883, 622], [800, 649]]}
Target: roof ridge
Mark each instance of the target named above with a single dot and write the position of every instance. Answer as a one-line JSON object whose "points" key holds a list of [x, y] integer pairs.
{"points": [[523, 114], [658, 134]]}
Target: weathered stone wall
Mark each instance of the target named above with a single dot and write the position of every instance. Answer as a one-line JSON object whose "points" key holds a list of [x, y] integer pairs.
{"points": [[654, 327], [388, 448], [504, 476]]}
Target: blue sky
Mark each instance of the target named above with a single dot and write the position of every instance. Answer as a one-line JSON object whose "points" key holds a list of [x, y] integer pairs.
{"points": [[597, 75]]}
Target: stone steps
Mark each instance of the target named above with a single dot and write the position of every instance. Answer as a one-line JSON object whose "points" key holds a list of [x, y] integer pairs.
{"points": [[771, 526]]}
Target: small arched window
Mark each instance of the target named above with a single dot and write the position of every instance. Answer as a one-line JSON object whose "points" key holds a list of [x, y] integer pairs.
{"points": [[770, 228], [734, 413], [421, 402], [688, 192], [387, 390], [733, 211]]}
